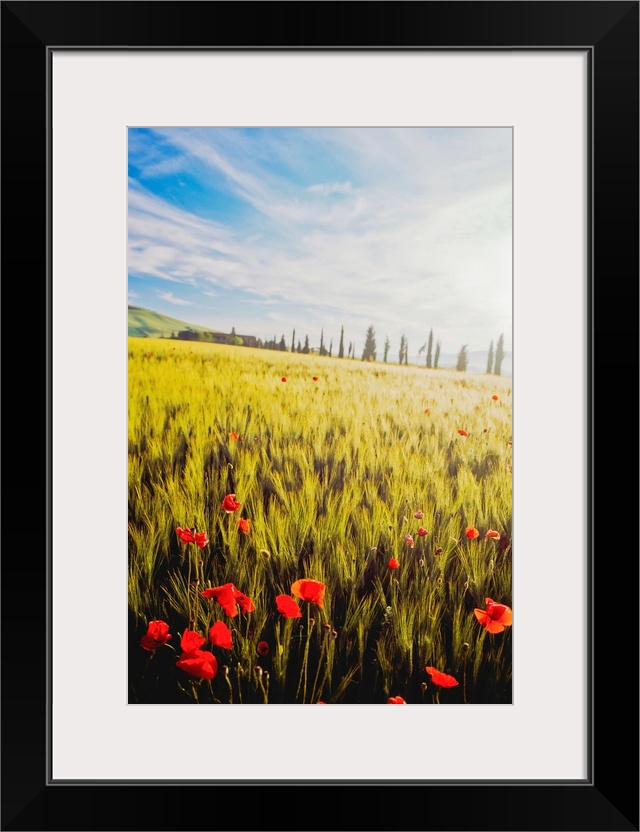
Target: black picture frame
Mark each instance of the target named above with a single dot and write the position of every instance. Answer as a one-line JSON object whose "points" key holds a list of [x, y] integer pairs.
{"points": [[608, 799]]}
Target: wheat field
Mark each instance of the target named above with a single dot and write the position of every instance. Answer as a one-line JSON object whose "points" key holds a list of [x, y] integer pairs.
{"points": [[362, 477]]}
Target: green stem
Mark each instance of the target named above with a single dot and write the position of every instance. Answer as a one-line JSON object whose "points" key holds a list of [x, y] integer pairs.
{"points": [[189, 589], [305, 660], [315, 681], [464, 680], [228, 681]]}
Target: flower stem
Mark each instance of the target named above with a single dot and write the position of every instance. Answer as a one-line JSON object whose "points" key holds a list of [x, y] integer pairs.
{"points": [[464, 680], [305, 661], [189, 588]]}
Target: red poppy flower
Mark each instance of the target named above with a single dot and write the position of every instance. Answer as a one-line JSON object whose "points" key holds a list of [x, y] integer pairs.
{"points": [[284, 378], [199, 663], [233, 436], [495, 617], [438, 550], [186, 535], [495, 398], [396, 700], [244, 525], [201, 539], [427, 411], [462, 432], [287, 607], [471, 533], [510, 444], [393, 563], [246, 604], [443, 680], [418, 515], [409, 540], [315, 378], [422, 532], [220, 635], [309, 590], [157, 634], [263, 648], [491, 533], [230, 504], [320, 702], [191, 641], [229, 597]]}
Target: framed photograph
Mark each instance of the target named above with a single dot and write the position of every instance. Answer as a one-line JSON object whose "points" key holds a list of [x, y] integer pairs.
{"points": [[434, 206]]}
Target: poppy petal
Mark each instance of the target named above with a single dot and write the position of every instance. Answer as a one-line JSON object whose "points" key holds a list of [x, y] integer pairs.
{"points": [[309, 590], [220, 635], [443, 680], [191, 641], [287, 607]]}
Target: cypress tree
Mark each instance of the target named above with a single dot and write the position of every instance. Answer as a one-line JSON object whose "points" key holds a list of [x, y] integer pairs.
{"points": [[369, 351], [490, 359], [403, 346], [429, 347], [387, 347], [463, 359], [436, 357], [499, 356], [341, 347]]}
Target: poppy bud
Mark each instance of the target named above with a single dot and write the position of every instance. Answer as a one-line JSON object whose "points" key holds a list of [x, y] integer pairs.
{"points": [[465, 647], [438, 550], [440, 581], [334, 633], [423, 685], [265, 553], [327, 627], [421, 563], [258, 671], [312, 621], [225, 669]]}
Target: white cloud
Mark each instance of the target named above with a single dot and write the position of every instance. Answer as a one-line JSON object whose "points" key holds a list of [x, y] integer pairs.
{"points": [[419, 236], [170, 298]]}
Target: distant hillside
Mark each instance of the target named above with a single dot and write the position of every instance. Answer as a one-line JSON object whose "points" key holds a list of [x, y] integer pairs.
{"points": [[146, 324]]}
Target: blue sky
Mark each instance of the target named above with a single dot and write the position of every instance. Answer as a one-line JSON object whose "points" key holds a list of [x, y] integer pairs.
{"points": [[269, 230]]}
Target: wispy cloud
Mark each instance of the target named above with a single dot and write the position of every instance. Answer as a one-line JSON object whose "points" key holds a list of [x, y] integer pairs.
{"points": [[169, 297], [403, 228]]}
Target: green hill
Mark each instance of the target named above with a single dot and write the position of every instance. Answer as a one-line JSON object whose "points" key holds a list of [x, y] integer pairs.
{"points": [[146, 324]]}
